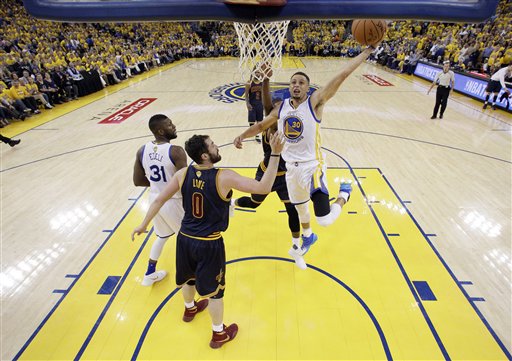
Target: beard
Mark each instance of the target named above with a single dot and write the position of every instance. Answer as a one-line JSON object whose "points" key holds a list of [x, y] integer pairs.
{"points": [[170, 136], [215, 158]]}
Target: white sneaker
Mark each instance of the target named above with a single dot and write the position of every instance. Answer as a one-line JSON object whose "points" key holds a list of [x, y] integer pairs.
{"points": [[299, 260], [156, 276]]}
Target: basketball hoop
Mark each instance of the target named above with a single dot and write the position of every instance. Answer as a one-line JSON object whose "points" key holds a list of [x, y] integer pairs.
{"points": [[261, 47]]}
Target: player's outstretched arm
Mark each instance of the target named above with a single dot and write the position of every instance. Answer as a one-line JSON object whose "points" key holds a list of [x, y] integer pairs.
{"points": [[329, 90], [232, 180], [257, 128]]}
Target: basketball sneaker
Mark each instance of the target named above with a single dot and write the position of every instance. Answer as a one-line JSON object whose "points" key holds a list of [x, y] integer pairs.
{"points": [[151, 278], [191, 312], [345, 190], [226, 335], [307, 242], [294, 252]]}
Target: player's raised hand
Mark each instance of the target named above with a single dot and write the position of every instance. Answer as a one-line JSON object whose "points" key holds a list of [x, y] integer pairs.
{"points": [[277, 142]]}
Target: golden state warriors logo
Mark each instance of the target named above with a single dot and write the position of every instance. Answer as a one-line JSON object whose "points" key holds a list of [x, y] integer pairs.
{"points": [[293, 127], [233, 92]]}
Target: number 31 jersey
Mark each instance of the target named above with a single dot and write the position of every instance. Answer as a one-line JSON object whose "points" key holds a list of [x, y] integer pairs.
{"points": [[158, 166]]}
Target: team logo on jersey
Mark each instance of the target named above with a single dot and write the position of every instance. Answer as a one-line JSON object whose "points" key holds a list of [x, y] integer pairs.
{"points": [[234, 92], [198, 174], [293, 127]]}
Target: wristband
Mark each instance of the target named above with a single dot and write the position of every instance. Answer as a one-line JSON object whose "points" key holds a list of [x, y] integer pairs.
{"points": [[275, 155]]}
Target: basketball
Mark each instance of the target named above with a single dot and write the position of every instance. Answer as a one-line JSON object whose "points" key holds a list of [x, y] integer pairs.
{"points": [[368, 31]]}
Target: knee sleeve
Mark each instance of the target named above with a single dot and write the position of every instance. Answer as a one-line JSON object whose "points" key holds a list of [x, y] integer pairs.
{"points": [[303, 212], [321, 204], [329, 219], [156, 249], [293, 218]]}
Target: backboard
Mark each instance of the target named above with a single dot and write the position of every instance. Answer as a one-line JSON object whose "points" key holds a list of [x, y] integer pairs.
{"points": [[259, 10]]}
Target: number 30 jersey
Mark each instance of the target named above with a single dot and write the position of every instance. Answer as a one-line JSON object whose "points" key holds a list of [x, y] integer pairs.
{"points": [[301, 130], [206, 210], [158, 166]]}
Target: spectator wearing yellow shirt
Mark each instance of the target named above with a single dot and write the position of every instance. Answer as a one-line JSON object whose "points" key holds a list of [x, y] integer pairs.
{"points": [[17, 92], [33, 90], [17, 108]]}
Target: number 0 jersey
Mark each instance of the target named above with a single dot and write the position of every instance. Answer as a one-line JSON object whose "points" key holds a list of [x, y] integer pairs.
{"points": [[158, 166], [301, 130], [206, 210]]}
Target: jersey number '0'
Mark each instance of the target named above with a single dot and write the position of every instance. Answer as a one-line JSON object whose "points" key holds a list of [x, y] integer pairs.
{"points": [[197, 205]]}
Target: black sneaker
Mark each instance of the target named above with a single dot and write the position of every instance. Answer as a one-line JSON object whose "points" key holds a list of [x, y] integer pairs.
{"points": [[494, 107], [485, 106], [13, 142], [441, 116], [433, 117]]}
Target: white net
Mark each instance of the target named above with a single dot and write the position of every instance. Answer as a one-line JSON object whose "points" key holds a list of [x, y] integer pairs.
{"points": [[260, 48]]}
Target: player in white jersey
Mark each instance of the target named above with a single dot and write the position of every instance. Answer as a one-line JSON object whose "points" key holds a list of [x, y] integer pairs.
{"points": [[496, 83], [156, 162], [299, 118]]}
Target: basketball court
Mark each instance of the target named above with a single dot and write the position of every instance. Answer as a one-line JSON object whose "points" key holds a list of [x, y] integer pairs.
{"points": [[417, 266]]}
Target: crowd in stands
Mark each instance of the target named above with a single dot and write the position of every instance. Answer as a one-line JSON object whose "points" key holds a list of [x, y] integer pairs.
{"points": [[43, 64]]}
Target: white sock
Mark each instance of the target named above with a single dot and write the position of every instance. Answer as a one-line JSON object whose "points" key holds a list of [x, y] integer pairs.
{"points": [[190, 305], [307, 232], [218, 328], [296, 241]]}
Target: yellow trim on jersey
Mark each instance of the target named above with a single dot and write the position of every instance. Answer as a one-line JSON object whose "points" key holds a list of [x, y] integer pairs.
{"points": [[217, 186], [252, 200], [201, 167], [318, 142], [264, 169], [211, 237], [190, 279], [219, 287]]}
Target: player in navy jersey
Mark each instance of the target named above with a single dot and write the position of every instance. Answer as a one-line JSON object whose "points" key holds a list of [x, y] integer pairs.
{"points": [[155, 164], [200, 253], [254, 102], [279, 185]]}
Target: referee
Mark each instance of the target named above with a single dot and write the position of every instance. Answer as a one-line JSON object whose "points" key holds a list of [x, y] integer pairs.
{"points": [[446, 81]]}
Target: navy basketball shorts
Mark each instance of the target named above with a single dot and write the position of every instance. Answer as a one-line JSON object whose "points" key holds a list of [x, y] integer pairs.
{"points": [[203, 261]]}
